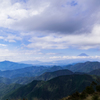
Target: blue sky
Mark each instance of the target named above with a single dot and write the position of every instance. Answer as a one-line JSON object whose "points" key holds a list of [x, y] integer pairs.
{"points": [[49, 30]]}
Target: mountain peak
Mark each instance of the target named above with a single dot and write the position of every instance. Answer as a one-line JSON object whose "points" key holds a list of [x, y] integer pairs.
{"points": [[83, 54], [6, 61]]}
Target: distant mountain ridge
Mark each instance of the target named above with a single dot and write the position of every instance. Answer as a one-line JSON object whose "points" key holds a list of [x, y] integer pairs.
{"points": [[82, 54], [27, 74], [85, 67], [23, 72], [39, 70], [8, 65], [28, 71], [36, 62]]}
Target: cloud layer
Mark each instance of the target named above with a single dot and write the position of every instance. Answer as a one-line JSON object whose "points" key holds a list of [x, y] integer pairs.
{"points": [[66, 16]]}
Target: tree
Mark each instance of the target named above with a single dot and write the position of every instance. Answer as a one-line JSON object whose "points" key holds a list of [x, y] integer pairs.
{"points": [[89, 90], [83, 95], [98, 88]]}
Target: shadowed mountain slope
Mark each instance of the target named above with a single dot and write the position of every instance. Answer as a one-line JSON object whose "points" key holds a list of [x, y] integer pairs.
{"points": [[49, 75], [45, 76], [53, 89], [95, 72]]}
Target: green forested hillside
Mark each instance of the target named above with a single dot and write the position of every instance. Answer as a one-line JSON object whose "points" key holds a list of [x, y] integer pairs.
{"points": [[53, 89], [5, 88], [28, 71], [45, 76], [23, 72], [91, 92], [49, 75], [5, 80], [95, 72]]}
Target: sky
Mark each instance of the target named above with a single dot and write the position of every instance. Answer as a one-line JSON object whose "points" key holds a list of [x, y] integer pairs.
{"points": [[49, 30]]}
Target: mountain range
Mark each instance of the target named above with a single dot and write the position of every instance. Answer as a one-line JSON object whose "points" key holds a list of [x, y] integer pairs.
{"points": [[32, 71], [47, 83], [28, 71], [45, 76], [8, 65], [85, 67]]}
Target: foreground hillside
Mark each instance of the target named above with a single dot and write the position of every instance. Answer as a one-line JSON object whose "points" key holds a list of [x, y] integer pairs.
{"points": [[77, 96], [53, 89], [91, 92], [6, 85]]}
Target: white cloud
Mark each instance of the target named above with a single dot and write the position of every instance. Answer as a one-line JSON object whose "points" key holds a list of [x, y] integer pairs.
{"points": [[75, 57], [10, 38], [47, 42], [6, 52], [3, 45], [50, 53], [54, 41], [11, 13], [49, 15], [19, 55], [23, 55]]}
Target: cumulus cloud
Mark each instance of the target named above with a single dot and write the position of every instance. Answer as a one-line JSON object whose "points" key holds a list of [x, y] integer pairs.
{"points": [[3, 45], [56, 16], [54, 41], [61, 16], [19, 55], [10, 38]]}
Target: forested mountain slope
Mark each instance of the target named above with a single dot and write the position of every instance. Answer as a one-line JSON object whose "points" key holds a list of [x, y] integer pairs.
{"points": [[53, 89]]}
